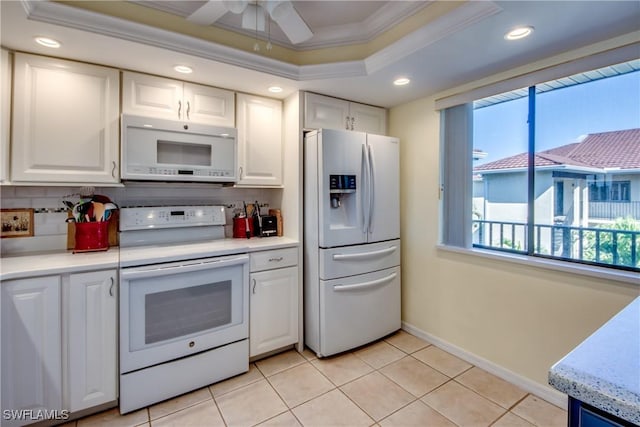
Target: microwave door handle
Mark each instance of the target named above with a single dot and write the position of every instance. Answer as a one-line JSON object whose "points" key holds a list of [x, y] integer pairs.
{"points": [[144, 272]]}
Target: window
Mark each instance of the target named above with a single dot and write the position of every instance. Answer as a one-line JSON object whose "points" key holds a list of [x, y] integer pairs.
{"points": [[551, 167]]}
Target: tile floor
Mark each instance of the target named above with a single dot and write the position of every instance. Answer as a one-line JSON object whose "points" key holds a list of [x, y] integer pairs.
{"points": [[398, 381]]}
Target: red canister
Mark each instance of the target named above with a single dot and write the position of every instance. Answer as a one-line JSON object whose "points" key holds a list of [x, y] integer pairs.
{"points": [[240, 225], [91, 236]]}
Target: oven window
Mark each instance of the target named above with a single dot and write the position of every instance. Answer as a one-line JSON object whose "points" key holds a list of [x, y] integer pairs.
{"points": [[181, 312], [183, 153]]}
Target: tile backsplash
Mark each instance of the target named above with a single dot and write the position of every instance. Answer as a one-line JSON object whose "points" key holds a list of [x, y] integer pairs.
{"points": [[50, 228]]}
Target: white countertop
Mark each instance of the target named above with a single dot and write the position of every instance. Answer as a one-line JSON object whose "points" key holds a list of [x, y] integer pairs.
{"points": [[43, 264], [604, 370]]}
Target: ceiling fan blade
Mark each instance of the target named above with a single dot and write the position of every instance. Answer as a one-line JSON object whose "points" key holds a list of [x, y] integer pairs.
{"points": [[208, 13], [290, 22]]}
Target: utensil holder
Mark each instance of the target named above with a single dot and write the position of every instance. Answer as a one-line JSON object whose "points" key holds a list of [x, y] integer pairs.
{"points": [[91, 236]]}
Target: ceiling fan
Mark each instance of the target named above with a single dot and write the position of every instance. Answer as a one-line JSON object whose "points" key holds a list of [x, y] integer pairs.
{"points": [[253, 16]]}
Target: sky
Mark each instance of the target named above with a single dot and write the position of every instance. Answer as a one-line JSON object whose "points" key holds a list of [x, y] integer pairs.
{"points": [[562, 116]]}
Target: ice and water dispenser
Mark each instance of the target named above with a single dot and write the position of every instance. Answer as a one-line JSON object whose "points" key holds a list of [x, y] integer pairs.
{"points": [[342, 192]]}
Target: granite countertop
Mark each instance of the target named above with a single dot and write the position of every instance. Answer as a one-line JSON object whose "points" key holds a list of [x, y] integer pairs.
{"points": [[604, 370], [60, 262]]}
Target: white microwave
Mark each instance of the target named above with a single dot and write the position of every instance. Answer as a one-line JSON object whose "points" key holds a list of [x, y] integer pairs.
{"points": [[166, 150]]}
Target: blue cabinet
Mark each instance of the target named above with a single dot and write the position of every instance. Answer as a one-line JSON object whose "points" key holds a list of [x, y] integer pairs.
{"points": [[583, 415]]}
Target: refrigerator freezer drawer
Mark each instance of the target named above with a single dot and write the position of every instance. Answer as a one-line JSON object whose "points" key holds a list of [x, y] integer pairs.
{"points": [[360, 259], [357, 310]]}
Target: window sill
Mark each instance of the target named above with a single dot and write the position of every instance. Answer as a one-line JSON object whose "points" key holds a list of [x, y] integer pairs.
{"points": [[564, 266]]}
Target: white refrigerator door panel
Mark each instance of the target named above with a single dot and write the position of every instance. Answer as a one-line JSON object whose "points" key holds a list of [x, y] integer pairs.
{"points": [[359, 309], [340, 153], [360, 259], [384, 157]]}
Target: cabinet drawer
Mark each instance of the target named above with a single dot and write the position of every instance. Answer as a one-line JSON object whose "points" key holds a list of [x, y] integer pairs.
{"points": [[278, 258]]}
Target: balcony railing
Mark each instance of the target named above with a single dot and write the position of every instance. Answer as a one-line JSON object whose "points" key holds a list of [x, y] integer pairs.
{"points": [[613, 210], [588, 244]]}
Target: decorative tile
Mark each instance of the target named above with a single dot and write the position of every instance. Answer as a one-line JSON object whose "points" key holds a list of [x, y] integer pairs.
{"points": [[342, 369], [300, 384], [416, 414], [406, 342], [540, 412], [177, 403], [377, 395], [202, 414], [379, 354], [251, 376], [113, 418], [444, 362], [332, 409], [279, 362], [414, 376], [251, 404], [463, 406]]}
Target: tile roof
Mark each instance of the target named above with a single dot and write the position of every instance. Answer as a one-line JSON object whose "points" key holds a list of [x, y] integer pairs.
{"points": [[617, 149]]}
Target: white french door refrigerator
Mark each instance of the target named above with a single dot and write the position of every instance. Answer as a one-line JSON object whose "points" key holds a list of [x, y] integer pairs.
{"points": [[351, 239]]}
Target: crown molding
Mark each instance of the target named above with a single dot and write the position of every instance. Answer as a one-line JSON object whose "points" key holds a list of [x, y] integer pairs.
{"points": [[84, 20]]}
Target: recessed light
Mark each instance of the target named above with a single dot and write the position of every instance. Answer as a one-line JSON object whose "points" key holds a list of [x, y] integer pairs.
{"points": [[275, 89], [183, 69], [401, 81], [518, 33], [47, 42]]}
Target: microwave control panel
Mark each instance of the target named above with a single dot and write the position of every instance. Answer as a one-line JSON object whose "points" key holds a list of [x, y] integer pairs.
{"points": [[187, 174], [140, 218]]}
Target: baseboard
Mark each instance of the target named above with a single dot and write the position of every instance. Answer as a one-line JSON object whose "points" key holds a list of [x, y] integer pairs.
{"points": [[547, 393]]}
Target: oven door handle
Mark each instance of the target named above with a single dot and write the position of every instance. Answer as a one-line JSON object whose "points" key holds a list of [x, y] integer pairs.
{"points": [[182, 267]]}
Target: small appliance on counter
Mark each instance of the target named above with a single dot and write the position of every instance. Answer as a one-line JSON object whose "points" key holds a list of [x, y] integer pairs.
{"points": [[249, 222]]}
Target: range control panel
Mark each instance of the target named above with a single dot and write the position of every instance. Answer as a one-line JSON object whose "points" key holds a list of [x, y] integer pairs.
{"points": [[140, 218]]}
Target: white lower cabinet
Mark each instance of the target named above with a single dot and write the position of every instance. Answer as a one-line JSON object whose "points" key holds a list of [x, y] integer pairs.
{"points": [[273, 316], [31, 348], [90, 368], [58, 345]]}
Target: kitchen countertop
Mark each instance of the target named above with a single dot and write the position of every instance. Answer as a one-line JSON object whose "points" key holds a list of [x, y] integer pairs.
{"points": [[604, 370], [43, 264]]}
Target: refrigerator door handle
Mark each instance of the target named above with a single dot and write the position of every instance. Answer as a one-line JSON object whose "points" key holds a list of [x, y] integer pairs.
{"points": [[364, 191], [365, 285], [364, 255], [372, 187]]}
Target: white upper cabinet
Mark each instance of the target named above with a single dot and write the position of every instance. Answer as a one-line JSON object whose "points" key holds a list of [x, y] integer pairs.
{"points": [[332, 113], [65, 122], [151, 96], [259, 141], [5, 75]]}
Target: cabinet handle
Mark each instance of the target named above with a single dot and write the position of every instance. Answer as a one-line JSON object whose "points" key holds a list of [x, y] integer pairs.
{"points": [[113, 169], [353, 120], [179, 108], [276, 259], [188, 110], [240, 172], [254, 286], [347, 123], [111, 287]]}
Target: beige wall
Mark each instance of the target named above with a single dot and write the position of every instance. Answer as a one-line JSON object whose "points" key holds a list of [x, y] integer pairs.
{"points": [[519, 317]]}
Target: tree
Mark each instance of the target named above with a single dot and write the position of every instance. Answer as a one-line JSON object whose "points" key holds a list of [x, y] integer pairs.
{"points": [[613, 247]]}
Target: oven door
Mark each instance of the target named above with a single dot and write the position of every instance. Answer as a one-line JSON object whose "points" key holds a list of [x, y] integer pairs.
{"points": [[176, 309]]}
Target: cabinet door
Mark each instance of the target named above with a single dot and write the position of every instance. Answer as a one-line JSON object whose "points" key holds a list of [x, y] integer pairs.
{"points": [[368, 119], [65, 121], [273, 319], [31, 345], [91, 339], [325, 112], [259, 141], [151, 96], [5, 75], [208, 105]]}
